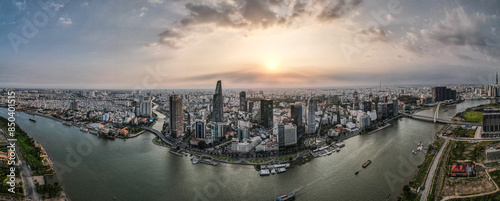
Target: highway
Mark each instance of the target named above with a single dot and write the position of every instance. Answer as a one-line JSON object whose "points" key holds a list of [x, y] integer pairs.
{"points": [[428, 181]]}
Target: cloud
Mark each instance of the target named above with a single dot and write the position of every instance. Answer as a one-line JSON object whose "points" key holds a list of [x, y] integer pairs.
{"points": [[460, 28], [65, 21], [155, 2], [253, 14], [143, 11], [336, 9], [376, 33]]}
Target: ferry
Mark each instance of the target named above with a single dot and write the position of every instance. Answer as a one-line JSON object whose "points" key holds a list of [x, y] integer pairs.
{"points": [[84, 129], [33, 120], [281, 170], [289, 196], [264, 172], [368, 162]]}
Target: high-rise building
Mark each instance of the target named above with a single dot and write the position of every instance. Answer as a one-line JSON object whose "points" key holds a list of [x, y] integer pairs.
{"points": [[176, 116], [287, 135], [250, 106], [200, 130], [491, 123], [442, 93], [311, 116], [73, 105], [218, 111], [266, 113], [355, 102], [243, 101], [395, 107], [145, 106], [296, 114], [217, 131], [367, 106], [243, 133]]}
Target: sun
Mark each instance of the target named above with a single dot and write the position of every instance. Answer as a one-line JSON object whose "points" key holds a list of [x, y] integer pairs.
{"points": [[272, 64]]}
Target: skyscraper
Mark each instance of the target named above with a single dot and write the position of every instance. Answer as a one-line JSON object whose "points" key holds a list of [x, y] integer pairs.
{"points": [[176, 116], [311, 116], [73, 105], [200, 130], [145, 106], [218, 112], [296, 114], [266, 113], [443, 93], [243, 101]]}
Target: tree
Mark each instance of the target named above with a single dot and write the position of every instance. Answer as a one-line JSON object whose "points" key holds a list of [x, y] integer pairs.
{"points": [[202, 144]]}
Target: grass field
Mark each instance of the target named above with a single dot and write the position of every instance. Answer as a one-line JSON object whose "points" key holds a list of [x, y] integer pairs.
{"points": [[473, 116]]}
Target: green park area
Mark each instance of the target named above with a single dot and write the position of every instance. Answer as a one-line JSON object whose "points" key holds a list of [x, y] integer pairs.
{"points": [[31, 153], [475, 114]]}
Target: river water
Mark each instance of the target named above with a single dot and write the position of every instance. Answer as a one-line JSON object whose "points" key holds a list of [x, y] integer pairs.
{"points": [[92, 168]]}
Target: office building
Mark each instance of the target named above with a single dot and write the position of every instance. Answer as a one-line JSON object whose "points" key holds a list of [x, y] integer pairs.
{"points": [[217, 131], [443, 94], [243, 101], [218, 106], [200, 130], [176, 116], [311, 116], [73, 105], [296, 114], [367, 106], [491, 123], [266, 113]]}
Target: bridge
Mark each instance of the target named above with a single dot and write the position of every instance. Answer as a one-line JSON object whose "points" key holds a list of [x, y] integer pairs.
{"points": [[437, 120], [159, 134]]}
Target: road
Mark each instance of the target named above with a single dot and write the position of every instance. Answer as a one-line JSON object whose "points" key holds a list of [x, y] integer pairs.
{"points": [[30, 188], [428, 181]]}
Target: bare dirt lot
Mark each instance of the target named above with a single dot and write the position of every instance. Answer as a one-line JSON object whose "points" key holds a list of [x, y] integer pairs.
{"points": [[467, 186]]}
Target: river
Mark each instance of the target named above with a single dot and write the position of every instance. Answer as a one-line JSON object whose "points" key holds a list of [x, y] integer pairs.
{"points": [[92, 168]]}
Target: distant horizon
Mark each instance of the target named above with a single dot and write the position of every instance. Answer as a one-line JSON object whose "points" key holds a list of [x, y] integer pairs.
{"points": [[229, 88]]}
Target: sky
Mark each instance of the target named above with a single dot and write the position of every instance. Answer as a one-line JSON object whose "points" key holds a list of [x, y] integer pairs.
{"points": [[161, 44]]}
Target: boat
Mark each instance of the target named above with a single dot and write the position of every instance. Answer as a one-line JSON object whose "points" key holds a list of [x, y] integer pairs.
{"points": [[420, 146], [338, 149], [93, 132], [288, 196], [111, 137], [33, 120], [415, 152], [84, 129], [357, 172], [194, 160], [281, 170], [66, 123], [368, 162], [273, 171], [264, 172]]}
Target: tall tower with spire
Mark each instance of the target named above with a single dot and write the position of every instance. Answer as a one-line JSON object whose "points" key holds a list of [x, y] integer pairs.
{"points": [[218, 106]]}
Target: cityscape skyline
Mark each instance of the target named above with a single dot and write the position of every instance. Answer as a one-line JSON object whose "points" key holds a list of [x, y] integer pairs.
{"points": [[287, 44]]}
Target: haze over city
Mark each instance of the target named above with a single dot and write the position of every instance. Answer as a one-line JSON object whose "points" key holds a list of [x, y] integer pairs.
{"points": [[248, 44]]}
